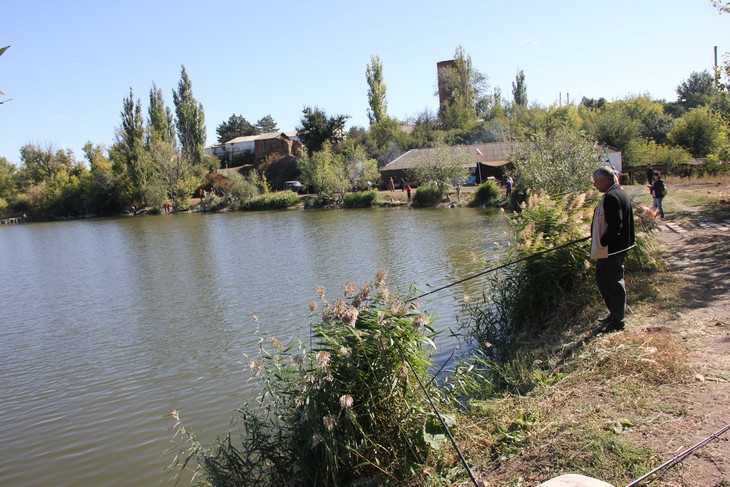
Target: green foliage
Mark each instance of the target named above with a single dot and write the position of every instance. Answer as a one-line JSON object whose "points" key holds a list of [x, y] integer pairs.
{"points": [[160, 125], [428, 195], [240, 187], [486, 194], [536, 294], [559, 163], [266, 124], [347, 412], [360, 199], [317, 129], [360, 171], [323, 171], [270, 201], [8, 178], [378, 106], [190, 120], [235, 126], [461, 85], [519, 89], [440, 166], [667, 157], [700, 131], [697, 90]]}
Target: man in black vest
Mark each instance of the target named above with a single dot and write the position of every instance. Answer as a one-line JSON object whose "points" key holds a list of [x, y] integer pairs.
{"points": [[612, 234]]}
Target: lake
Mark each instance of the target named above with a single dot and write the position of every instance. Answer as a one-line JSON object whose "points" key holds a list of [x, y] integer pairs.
{"points": [[109, 325]]}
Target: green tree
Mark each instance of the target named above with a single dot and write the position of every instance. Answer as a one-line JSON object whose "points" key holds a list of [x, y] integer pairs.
{"points": [[378, 110], [700, 131], [664, 156], [323, 170], [697, 90], [360, 169], [45, 164], [129, 152], [8, 178], [442, 166], [160, 124], [613, 126], [317, 129], [556, 163], [267, 125], [463, 86], [235, 126], [190, 120], [102, 193], [519, 89]]}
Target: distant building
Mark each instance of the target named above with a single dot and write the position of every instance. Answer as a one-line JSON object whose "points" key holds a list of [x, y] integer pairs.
{"points": [[260, 145], [485, 161]]}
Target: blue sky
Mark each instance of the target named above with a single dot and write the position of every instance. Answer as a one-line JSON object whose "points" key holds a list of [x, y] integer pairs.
{"points": [[71, 63]]}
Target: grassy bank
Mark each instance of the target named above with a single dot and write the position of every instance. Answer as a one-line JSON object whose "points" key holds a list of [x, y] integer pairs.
{"points": [[615, 406]]}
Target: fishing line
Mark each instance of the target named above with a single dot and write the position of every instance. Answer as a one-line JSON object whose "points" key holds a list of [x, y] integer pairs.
{"points": [[420, 383], [502, 266]]}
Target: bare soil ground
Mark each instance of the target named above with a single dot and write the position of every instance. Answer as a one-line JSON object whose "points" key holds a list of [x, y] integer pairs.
{"points": [[697, 248]]}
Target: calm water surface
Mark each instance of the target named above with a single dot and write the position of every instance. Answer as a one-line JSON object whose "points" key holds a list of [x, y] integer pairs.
{"points": [[109, 325]]}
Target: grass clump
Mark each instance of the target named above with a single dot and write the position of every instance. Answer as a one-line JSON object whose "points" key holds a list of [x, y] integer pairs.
{"points": [[360, 199], [347, 410], [428, 195], [486, 194], [270, 201]]}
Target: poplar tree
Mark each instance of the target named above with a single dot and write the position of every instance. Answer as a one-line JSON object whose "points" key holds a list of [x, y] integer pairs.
{"points": [[378, 111], [131, 144], [160, 123], [190, 120], [519, 89]]}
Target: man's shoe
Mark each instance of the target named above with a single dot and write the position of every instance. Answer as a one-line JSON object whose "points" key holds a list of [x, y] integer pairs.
{"points": [[612, 326], [605, 320]]}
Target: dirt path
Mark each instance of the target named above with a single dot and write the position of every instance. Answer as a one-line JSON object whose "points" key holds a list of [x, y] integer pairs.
{"points": [[699, 251]]}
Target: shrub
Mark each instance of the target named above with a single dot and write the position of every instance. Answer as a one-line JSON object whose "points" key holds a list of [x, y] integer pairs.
{"points": [[360, 199], [531, 296], [270, 201], [486, 194], [428, 195], [347, 412]]}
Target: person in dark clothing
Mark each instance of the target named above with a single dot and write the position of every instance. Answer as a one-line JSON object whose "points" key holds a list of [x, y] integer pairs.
{"points": [[649, 174], [612, 235], [658, 191]]}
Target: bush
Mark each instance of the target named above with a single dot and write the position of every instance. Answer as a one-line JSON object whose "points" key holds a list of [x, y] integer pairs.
{"points": [[428, 195], [486, 194], [347, 412], [361, 199], [271, 201]]}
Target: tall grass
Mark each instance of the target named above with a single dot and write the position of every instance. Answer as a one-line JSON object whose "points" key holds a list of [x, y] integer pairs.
{"points": [[345, 411], [360, 199], [486, 194], [270, 201], [428, 195]]}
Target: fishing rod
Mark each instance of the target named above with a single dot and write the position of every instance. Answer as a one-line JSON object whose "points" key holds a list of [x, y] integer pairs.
{"points": [[681, 456], [443, 424], [420, 383], [502, 266]]}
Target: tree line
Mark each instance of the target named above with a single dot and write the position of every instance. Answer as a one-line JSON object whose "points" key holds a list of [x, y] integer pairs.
{"points": [[160, 158]]}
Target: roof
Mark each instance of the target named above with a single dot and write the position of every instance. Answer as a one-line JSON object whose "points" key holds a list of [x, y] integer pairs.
{"points": [[491, 154], [267, 135]]}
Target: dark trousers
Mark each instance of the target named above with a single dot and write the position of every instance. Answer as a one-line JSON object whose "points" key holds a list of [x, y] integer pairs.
{"points": [[610, 281]]}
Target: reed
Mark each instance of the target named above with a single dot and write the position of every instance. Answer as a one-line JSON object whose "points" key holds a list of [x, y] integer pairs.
{"points": [[345, 409]]}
